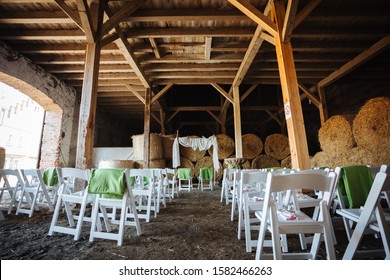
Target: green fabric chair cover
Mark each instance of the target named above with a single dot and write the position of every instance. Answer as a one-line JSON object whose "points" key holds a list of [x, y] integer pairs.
{"points": [[50, 177], [109, 183], [206, 173], [356, 184], [184, 173], [145, 179]]}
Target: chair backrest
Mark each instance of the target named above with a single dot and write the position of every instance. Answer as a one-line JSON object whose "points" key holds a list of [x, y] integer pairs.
{"points": [[12, 178], [32, 177], [184, 173], [206, 173], [69, 176], [136, 177]]}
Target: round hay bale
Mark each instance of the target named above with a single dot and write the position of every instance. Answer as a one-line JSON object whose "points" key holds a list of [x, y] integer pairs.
{"points": [[189, 153], [361, 156], [2, 157], [116, 164], [207, 161], [157, 163], [252, 146], [167, 144], [155, 150], [335, 136], [264, 161], [322, 159], [225, 146], [244, 163], [286, 163], [371, 126], [186, 163], [277, 146]]}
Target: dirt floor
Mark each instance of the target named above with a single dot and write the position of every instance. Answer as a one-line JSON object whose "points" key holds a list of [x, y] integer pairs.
{"points": [[195, 226]]}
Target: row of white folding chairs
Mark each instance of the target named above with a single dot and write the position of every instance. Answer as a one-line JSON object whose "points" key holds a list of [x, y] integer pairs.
{"points": [[26, 191], [145, 191]]}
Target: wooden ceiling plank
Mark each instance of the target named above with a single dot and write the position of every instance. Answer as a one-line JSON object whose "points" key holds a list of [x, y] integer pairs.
{"points": [[71, 13], [368, 54], [306, 11], [161, 92], [207, 48], [118, 16], [130, 87], [41, 17], [254, 14], [228, 97], [289, 20]]}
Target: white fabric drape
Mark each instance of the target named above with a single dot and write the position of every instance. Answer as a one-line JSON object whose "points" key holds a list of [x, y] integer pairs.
{"points": [[195, 143]]}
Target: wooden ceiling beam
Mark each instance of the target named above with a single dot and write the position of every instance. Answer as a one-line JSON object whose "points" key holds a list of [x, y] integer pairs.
{"points": [[373, 51], [161, 93], [86, 20], [207, 48], [254, 14], [155, 48], [118, 16], [225, 94], [306, 11], [289, 20], [136, 93], [74, 15], [40, 17]]}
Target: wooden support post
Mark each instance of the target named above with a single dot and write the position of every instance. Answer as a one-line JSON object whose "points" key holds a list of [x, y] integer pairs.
{"points": [[88, 107], [148, 97], [291, 97], [323, 107], [162, 121], [237, 122]]}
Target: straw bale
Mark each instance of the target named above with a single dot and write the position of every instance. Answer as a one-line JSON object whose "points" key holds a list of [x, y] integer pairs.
{"points": [[225, 146], [116, 164], [157, 163], [186, 163], [264, 161], [207, 161], [189, 153], [155, 149], [371, 126], [335, 136], [277, 146], [322, 159], [252, 146], [286, 163], [245, 164], [167, 144]]}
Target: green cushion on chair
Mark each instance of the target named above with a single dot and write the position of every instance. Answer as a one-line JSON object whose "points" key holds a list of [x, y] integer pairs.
{"points": [[184, 173], [110, 183], [50, 177], [206, 173], [357, 181]]}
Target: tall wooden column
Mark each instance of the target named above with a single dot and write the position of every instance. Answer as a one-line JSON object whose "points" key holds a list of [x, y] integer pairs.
{"points": [[290, 91], [85, 137], [323, 106], [237, 122], [147, 115]]}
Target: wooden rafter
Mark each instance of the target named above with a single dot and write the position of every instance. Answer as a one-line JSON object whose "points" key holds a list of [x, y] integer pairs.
{"points": [[254, 14], [86, 20], [161, 92], [249, 91], [155, 47], [118, 16], [70, 13], [289, 20], [136, 93], [306, 11], [228, 96]]}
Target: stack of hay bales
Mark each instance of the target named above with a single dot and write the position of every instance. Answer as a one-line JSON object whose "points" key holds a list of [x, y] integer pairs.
{"points": [[225, 146], [366, 141], [186, 163], [190, 154], [155, 151]]}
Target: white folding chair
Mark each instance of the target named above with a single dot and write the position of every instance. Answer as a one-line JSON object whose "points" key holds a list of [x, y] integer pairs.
{"points": [[50, 178], [206, 178], [112, 192], [12, 184], [159, 187], [371, 216], [171, 182], [293, 221], [73, 195], [227, 185], [142, 184], [184, 176], [34, 193]]}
